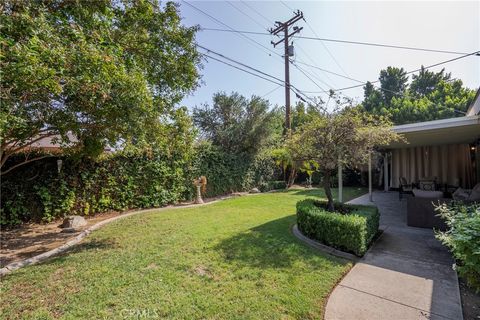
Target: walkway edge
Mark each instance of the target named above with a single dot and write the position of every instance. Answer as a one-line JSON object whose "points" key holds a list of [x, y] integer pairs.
{"points": [[69, 244], [324, 248]]}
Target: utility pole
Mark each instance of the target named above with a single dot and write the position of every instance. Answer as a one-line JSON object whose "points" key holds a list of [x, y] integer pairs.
{"points": [[288, 52]]}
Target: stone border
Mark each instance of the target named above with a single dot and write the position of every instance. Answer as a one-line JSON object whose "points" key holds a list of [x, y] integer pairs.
{"points": [[324, 248], [69, 244]]}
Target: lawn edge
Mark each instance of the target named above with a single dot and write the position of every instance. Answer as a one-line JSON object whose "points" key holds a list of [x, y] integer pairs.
{"points": [[71, 243]]}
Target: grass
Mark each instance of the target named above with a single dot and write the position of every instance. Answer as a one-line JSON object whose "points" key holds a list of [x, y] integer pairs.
{"points": [[235, 259]]}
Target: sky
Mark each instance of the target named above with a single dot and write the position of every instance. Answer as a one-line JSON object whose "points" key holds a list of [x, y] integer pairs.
{"points": [[451, 26]]}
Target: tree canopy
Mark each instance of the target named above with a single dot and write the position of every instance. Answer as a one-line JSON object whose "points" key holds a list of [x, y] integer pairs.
{"points": [[235, 123], [429, 96], [347, 137], [105, 72]]}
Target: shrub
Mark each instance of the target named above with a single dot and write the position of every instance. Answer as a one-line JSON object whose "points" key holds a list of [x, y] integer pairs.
{"points": [[231, 172], [272, 185], [351, 232], [118, 182], [463, 239]]}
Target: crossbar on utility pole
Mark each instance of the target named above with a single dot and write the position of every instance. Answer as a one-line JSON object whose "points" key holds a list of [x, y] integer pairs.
{"points": [[283, 27]]}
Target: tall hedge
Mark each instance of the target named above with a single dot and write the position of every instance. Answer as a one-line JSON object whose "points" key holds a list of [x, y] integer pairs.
{"points": [[38, 192], [230, 172]]}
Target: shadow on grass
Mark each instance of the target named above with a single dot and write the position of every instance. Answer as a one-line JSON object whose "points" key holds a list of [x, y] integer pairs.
{"points": [[271, 245]]}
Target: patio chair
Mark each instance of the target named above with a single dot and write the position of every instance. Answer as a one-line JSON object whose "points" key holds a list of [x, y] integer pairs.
{"points": [[428, 184], [405, 188]]}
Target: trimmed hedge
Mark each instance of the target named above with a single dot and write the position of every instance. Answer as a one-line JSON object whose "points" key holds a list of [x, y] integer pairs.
{"points": [[351, 232]]}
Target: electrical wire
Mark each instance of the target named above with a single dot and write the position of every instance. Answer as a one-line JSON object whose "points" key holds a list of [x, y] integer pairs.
{"points": [[343, 41], [256, 11], [416, 70], [233, 66], [247, 15], [273, 90], [231, 29], [280, 82], [311, 59]]}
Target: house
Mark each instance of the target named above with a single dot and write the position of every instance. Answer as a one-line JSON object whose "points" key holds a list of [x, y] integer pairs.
{"points": [[446, 151]]}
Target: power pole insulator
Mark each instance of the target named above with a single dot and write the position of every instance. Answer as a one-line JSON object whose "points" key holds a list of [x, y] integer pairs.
{"points": [[288, 52]]}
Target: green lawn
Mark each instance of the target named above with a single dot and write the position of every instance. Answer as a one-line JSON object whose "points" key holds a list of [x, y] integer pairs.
{"points": [[235, 259]]}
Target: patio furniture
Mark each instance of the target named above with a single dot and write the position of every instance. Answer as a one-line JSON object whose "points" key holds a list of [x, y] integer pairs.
{"points": [[421, 212], [428, 184], [405, 188]]}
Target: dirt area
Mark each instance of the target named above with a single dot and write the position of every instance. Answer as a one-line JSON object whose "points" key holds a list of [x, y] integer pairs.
{"points": [[31, 239], [470, 302]]}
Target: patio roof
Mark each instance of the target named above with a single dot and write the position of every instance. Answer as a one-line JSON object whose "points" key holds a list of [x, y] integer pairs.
{"points": [[447, 131]]}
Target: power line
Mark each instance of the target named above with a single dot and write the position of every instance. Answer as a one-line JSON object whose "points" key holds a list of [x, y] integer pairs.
{"points": [[231, 29], [247, 15], [328, 71], [280, 81], [343, 41], [272, 91], [416, 70], [311, 59], [240, 63], [306, 73], [286, 5], [326, 49], [233, 66], [256, 11]]}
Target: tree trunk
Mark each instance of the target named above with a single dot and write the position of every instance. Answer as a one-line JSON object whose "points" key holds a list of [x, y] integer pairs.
{"points": [[292, 176], [328, 192]]}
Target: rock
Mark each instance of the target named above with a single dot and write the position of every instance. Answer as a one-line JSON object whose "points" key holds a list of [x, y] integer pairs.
{"points": [[72, 223], [255, 190]]}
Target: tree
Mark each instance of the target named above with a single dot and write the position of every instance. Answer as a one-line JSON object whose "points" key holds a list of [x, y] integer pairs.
{"points": [[346, 137], [430, 96], [372, 97], [235, 123], [393, 82], [427, 81], [103, 72]]}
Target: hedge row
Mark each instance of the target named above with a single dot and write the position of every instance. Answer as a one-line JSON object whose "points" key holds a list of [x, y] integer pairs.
{"points": [[38, 192], [351, 232]]}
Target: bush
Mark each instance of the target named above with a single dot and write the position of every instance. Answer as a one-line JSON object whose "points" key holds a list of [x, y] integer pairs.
{"points": [[37, 192], [272, 185], [463, 239], [231, 172], [351, 232]]}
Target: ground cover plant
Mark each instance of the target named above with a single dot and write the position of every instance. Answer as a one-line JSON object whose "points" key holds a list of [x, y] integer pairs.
{"points": [[463, 239], [350, 228], [232, 259]]}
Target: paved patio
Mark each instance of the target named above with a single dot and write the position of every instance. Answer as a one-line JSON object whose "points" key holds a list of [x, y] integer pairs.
{"points": [[407, 274]]}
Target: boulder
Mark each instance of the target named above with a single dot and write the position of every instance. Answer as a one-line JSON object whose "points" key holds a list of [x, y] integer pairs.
{"points": [[255, 190], [72, 223]]}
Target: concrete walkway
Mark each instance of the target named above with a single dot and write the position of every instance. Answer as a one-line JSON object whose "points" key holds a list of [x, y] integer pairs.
{"points": [[407, 274]]}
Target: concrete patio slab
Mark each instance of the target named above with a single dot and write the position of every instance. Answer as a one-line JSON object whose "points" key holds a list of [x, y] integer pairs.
{"points": [[407, 274]]}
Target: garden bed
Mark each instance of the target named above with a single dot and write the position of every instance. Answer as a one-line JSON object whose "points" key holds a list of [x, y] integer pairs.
{"points": [[351, 228]]}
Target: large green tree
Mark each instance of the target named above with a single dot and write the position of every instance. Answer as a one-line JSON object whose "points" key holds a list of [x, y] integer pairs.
{"points": [[430, 96], [393, 82], [104, 72], [234, 123]]}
